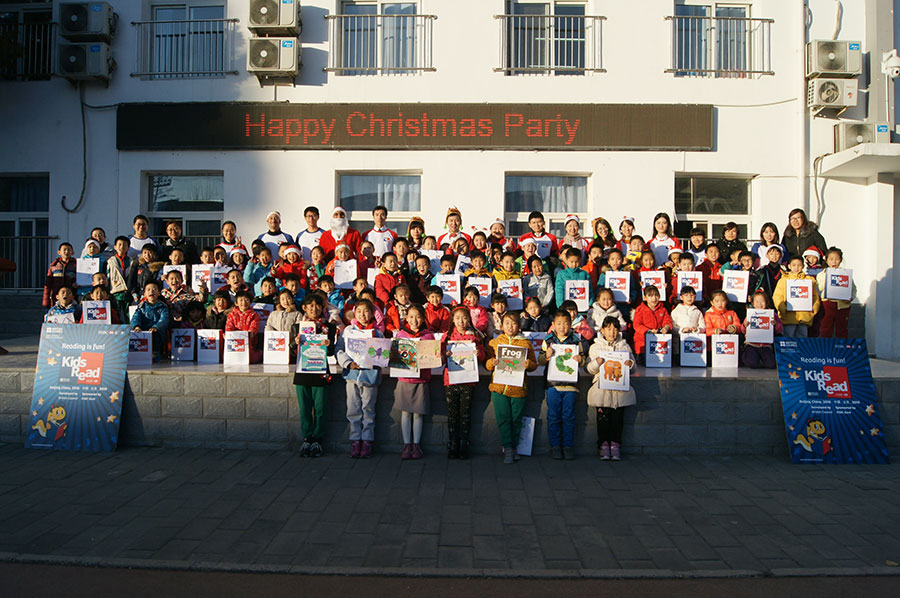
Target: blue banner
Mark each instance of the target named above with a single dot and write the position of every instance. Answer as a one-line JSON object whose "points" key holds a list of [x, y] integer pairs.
{"points": [[79, 385], [828, 396]]}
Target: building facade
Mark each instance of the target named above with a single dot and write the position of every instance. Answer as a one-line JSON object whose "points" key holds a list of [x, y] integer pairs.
{"points": [[613, 79]]}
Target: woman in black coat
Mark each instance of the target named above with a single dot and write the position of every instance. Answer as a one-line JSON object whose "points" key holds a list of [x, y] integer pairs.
{"points": [[176, 240], [800, 234]]}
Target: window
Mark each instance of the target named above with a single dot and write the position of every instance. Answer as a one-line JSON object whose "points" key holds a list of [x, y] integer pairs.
{"points": [[709, 202], [24, 203], [550, 37], [401, 194], [26, 42], [375, 37], [718, 39], [185, 40], [553, 194], [197, 201]]}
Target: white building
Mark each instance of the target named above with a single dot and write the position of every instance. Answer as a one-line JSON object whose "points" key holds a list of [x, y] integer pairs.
{"points": [[742, 63]]}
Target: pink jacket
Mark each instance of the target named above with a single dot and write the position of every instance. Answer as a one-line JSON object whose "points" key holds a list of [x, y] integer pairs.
{"points": [[455, 335], [424, 334]]}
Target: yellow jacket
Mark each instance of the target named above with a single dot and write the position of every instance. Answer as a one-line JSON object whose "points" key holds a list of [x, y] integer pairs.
{"points": [[791, 318], [501, 274], [519, 392]]}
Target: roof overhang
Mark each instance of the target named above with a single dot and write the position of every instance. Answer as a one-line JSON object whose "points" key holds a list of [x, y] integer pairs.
{"points": [[862, 161]]}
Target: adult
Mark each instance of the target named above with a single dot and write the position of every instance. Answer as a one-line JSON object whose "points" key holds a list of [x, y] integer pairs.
{"points": [[141, 225], [452, 222], [729, 242], [768, 236], [309, 237], [498, 236], [230, 241], [175, 240], [274, 237], [573, 238], [626, 229], [380, 236], [603, 234], [340, 231], [663, 238], [99, 235], [801, 234], [415, 232]]}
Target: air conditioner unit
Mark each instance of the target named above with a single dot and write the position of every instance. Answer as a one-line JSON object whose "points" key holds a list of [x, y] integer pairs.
{"points": [[87, 21], [831, 93], [274, 56], [848, 134], [275, 16], [91, 60], [827, 58]]}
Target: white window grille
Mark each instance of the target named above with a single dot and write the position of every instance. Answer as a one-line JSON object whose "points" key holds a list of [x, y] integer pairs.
{"points": [[555, 195], [400, 193]]}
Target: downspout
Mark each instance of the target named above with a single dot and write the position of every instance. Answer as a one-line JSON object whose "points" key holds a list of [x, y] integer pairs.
{"points": [[803, 166]]}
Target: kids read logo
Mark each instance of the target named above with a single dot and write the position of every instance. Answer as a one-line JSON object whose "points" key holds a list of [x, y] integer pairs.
{"points": [[736, 283], [693, 346], [800, 292], [658, 347], [759, 322], [87, 368], [449, 285], [840, 281], [96, 313], [182, 341], [617, 284], [577, 293], [276, 344], [208, 343], [725, 348], [831, 380], [236, 345], [139, 345]]}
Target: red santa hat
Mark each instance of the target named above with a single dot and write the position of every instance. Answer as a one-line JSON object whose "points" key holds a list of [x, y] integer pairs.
{"points": [[570, 217], [813, 251], [293, 249]]}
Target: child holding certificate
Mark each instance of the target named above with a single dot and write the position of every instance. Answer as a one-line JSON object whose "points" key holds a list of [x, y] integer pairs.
{"points": [[459, 395], [610, 404]]}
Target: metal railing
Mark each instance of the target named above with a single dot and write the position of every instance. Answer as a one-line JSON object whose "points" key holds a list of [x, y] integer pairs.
{"points": [[732, 47], [386, 44], [180, 49], [26, 51], [32, 256], [551, 44]]}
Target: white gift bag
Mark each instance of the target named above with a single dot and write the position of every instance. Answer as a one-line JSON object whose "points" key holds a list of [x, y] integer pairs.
{"points": [[526, 437], [693, 350], [263, 310], [658, 350], [579, 292], [614, 374], [724, 350], [512, 290], [96, 312], [140, 349], [209, 346], [451, 286], [620, 285], [760, 326], [838, 284], [85, 268], [483, 284], [276, 347], [692, 279], [799, 295], [344, 274], [237, 347], [654, 278], [736, 283], [184, 342]]}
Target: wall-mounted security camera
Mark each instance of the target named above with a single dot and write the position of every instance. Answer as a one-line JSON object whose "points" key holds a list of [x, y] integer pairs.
{"points": [[890, 64]]}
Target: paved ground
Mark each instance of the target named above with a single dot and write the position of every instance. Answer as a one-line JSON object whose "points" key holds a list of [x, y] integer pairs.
{"points": [[272, 511]]}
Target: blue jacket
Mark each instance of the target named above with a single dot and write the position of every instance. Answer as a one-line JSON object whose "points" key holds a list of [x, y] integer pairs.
{"points": [[336, 299], [564, 274], [572, 339], [254, 274], [366, 377], [148, 316], [58, 310]]}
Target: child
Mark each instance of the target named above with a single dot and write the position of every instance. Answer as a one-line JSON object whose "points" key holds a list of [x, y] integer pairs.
{"points": [[610, 404], [192, 316], [420, 279], [712, 272], [206, 256], [437, 316], [771, 272], [719, 319], [579, 322], [459, 396], [316, 268], [636, 248], [259, 269], [509, 401], [217, 313], [507, 269], [236, 284], [117, 268], [529, 250], [536, 224], [745, 262], [220, 257], [65, 304], [292, 264], [267, 291], [387, 278], [350, 303], [362, 383], [615, 262], [663, 237], [342, 253], [366, 259], [397, 309], [177, 295], [91, 250], [100, 293], [61, 273], [650, 316], [498, 236], [812, 259], [448, 264], [411, 394], [478, 268], [244, 318], [152, 315], [572, 271], [292, 283], [335, 298], [605, 307], [145, 269], [533, 318], [761, 355], [480, 318], [697, 246], [401, 250], [430, 242], [835, 314], [498, 308], [284, 317], [687, 317], [538, 283], [595, 260], [312, 389], [685, 264], [369, 294], [796, 323], [561, 396]]}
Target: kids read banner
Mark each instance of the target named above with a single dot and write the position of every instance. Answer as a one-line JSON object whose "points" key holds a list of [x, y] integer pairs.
{"points": [[79, 385], [830, 406], [258, 125]]}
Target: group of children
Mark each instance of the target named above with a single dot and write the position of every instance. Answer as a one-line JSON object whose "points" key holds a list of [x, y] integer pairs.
{"points": [[400, 298]]}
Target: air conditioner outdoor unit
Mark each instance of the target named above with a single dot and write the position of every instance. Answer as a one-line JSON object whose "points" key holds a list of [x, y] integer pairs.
{"points": [[848, 134], [827, 58], [91, 60], [87, 21], [275, 16], [831, 93], [274, 56]]}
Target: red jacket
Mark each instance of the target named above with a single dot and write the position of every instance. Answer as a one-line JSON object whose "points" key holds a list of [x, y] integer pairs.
{"points": [[353, 240], [392, 320], [385, 283], [437, 318], [471, 337], [246, 320], [59, 274], [298, 268], [722, 319], [646, 319], [712, 278]]}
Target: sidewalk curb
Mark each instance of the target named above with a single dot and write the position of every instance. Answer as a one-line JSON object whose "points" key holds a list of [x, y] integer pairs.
{"points": [[123, 563]]}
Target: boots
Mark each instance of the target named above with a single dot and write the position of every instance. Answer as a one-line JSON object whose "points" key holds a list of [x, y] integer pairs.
{"points": [[463, 448]]}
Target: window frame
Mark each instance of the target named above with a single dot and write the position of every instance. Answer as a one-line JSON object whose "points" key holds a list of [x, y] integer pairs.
{"points": [[513, 217], [709, 221], [712, 65], [184, 217], [365, 216]]}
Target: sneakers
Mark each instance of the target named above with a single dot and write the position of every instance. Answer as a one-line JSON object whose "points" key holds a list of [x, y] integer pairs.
{"points": [[556, 452], [508, 457], [453, 449], [304, 449], [416, 451], [355, 449], [463, 449], [315, 449], [406, 453], [365, 449], [614, 451], [569, 453], [516, 456], [604, 451]]}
